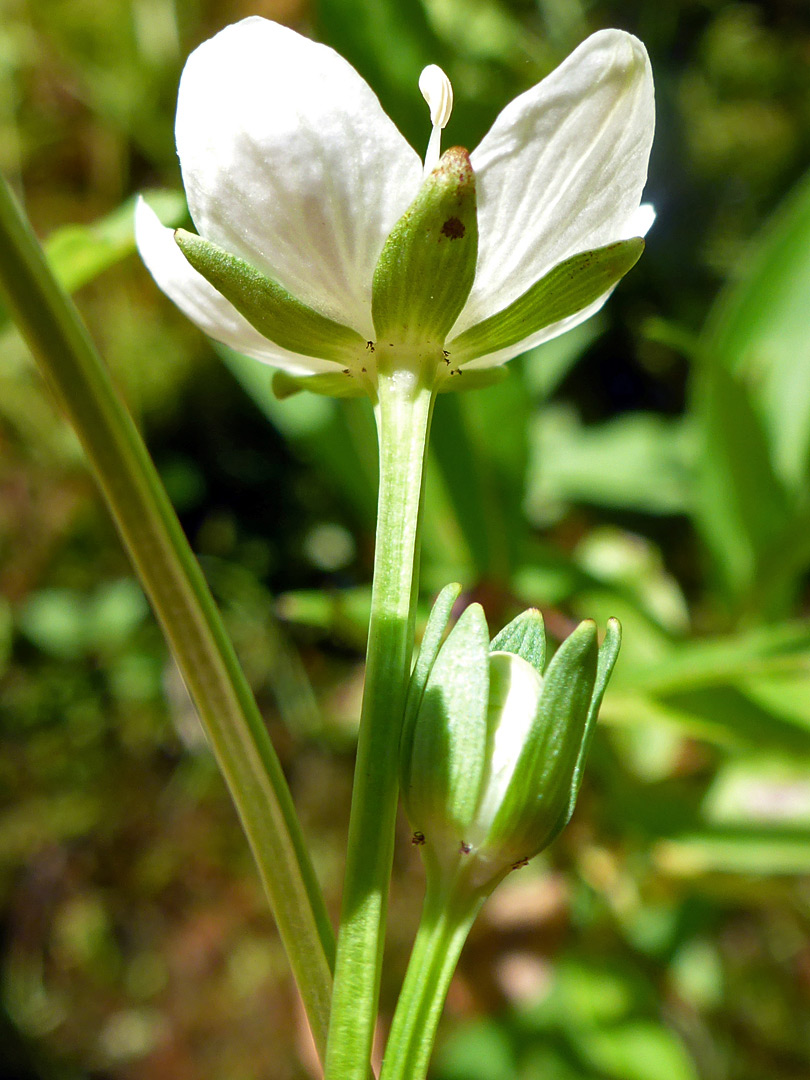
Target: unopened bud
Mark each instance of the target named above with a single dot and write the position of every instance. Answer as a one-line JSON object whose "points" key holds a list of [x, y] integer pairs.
{"points": [[494, 741]]}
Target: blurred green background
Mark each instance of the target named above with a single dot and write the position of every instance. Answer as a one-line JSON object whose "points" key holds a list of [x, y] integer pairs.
{"points": [[654, 465]]}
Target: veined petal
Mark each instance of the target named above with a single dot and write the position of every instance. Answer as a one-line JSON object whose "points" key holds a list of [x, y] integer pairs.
{"points": [[290, 162], [561, 171], [201, 303]]}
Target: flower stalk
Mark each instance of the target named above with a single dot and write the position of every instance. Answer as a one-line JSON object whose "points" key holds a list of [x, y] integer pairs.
{"points": [[403, 410], [448, 914]]}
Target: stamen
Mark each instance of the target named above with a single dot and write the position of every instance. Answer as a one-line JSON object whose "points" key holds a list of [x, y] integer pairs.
{"points": [[437, 91]]}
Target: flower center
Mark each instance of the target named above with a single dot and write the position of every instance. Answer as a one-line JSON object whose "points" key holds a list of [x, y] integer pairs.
{"points": [[437, 90]]}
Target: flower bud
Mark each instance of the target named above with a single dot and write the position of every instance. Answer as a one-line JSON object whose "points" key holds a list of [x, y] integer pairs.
{"points": [[494, 741]]}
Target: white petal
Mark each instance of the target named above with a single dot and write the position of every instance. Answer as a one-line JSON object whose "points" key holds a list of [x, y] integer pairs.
{"points": [[514, 696], [289, 161], [203, 304], [562, 169], [639, 224]]}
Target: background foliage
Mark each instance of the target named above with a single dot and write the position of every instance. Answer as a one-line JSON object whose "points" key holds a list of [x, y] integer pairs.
{"points": [[652, 465]]}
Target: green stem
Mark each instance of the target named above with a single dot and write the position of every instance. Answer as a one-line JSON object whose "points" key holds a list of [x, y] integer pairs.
{"points": [[443, 929], [172, 578], [403, 411]]}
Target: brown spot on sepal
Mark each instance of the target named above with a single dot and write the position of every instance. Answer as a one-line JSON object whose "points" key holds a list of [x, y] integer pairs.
{"points": [[453, 229], [464, 849], [418, 839]]}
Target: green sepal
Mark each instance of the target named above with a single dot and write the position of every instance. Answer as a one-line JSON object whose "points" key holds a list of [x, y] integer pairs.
{"points": [[428, 651], [427, 266], [332, 384], [268, 307], [525, 636], [441, 774], [540, 787], [563, 291], [472, 378], [608, 654]]}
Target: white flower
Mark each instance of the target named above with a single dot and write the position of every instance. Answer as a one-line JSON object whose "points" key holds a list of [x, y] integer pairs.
{"points": [[290, 163]]}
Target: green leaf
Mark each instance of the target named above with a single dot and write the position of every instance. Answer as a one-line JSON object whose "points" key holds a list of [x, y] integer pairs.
{"points": [[79, 253], [735, 715], [427, 266], [636, 1050], [764, 651], [752, 402], [589, 995], [742, 508], [764, 851], [480, 1049], [631, 571], [54, 620], [268, 307], [758, 331], [758, 791], [484, 476], [639, 461], [342, 615], [563, 291], [729, 716], [525, 636]]}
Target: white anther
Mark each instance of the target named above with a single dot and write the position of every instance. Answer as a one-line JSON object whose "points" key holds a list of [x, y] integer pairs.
{"points": [[437, 90]]}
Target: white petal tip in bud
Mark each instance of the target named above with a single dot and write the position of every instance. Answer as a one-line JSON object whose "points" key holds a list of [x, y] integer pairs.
{"points": [[437, 90]]}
